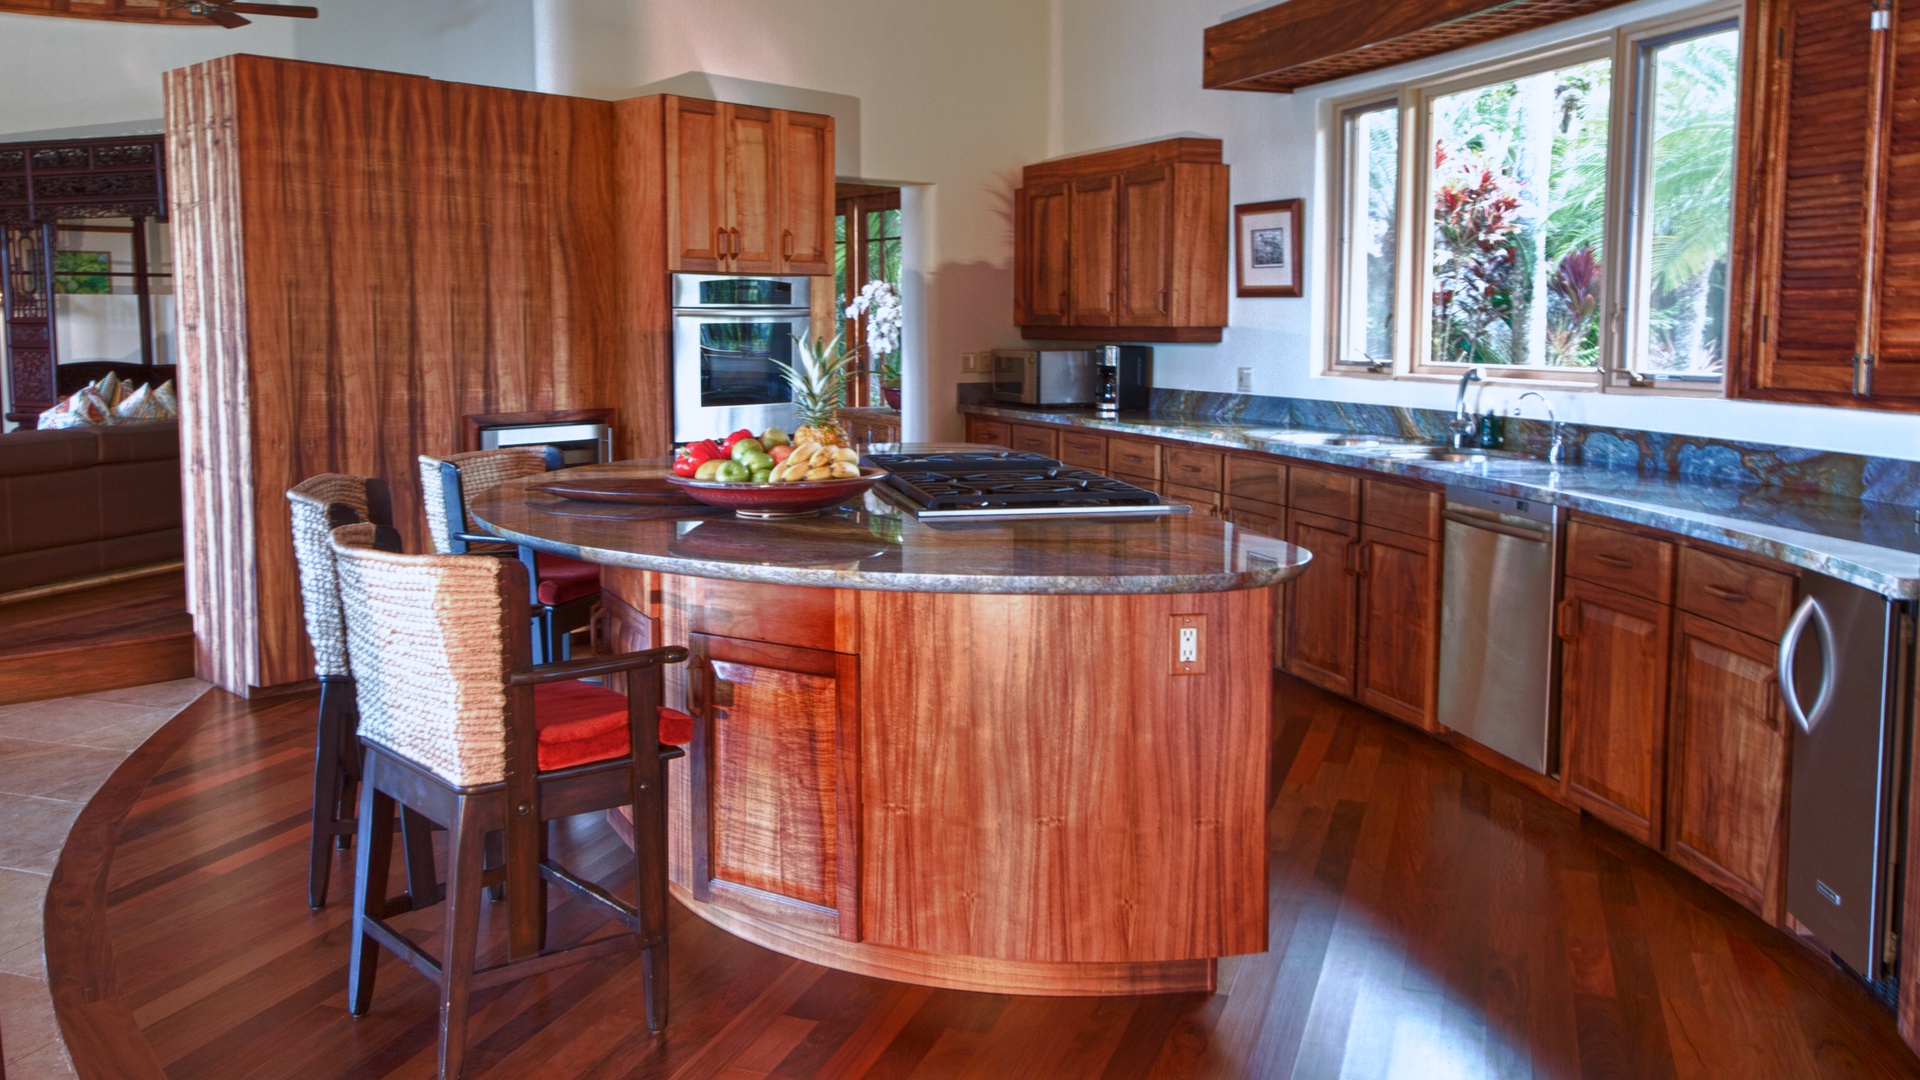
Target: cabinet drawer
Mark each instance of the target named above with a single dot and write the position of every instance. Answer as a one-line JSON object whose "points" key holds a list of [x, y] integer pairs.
{"points": [[1193, 468], [1634, 564], [1203, 501], [1133, 457], [1258, 516], [1324, 492], [1083, 450], [1034, 440], [1147, 482], [1735, 593], [1261, 479], [1402, 508], [991, 432]]}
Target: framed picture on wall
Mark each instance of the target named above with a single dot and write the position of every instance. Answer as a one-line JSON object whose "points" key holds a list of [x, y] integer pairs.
{"points": [[1268, 245]]}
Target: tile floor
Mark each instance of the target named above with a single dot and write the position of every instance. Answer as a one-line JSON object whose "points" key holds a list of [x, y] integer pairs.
{"points": [[53, 756]]}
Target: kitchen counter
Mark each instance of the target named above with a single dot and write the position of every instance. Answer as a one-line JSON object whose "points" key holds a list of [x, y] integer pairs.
{"points": [[1870, 544], [968, 755], [873, 544]]}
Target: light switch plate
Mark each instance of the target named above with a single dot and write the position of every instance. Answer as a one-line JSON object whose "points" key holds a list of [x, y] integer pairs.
{"points": [[1245, 382], [1188, 637]]}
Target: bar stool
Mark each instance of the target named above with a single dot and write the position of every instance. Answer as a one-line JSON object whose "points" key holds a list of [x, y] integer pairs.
{"points": [[459, 728], [316, 504], [563, 591]]}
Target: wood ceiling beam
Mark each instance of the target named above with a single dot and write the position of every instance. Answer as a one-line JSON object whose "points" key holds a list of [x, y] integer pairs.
{"points": [[1282, 48]]}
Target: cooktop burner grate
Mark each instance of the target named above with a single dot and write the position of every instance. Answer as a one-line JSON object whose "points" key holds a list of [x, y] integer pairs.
{"points": [[1007, 489], [962, 461]]}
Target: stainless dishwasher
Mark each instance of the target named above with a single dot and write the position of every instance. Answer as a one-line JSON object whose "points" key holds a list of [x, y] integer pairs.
{"points": [[1496, 624]]}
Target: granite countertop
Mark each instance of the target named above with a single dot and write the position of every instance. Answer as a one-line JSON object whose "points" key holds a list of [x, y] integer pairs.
{"points": [[873, 544], [1871, 544]]}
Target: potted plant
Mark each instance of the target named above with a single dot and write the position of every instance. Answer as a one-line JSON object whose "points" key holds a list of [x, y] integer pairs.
{"points": [[879, 301]]}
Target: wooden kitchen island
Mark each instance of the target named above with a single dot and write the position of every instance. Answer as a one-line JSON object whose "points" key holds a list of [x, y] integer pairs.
{"points": [[955, 754]]}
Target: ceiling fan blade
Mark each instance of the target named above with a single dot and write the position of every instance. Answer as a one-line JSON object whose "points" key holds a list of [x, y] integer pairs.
{"points": [[228, 19], [291, 11]]}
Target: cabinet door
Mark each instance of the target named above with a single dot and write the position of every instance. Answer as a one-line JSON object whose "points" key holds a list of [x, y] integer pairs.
{"points": [[1399, 625], [696, 186], [1613, 706], [1042, 253], [1895, 349], [1322, 611], [806, 192], [1092, 214], [1034, 439], [1727, 765], [1146, 246], [1270, 520], [775, 774], [1820, 106], [753, 187]]}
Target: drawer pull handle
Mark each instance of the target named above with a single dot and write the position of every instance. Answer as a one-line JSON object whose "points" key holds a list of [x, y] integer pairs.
{"points": [[1721, 592], [1620, 561]]}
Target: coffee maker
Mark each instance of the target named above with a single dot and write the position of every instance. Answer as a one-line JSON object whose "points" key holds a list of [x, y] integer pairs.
{"points": [[1125, 379]]}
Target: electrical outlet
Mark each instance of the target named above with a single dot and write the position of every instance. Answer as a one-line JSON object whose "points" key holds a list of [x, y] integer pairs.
{"points": [[1246, 380], [1189, 644], [969, 361]]}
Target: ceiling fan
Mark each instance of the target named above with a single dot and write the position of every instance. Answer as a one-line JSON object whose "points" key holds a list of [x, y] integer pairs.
{"points": [[234, 15]]}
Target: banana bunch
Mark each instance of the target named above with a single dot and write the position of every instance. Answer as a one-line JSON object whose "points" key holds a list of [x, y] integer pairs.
{"points": [[812, 461]]}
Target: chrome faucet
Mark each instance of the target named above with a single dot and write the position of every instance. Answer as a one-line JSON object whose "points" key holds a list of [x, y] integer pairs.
{"points": [[1556, 431], [1463, 425]]}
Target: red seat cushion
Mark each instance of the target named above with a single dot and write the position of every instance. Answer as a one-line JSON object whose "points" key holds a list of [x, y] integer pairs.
{"points": [[563, 579], [579, 723]]}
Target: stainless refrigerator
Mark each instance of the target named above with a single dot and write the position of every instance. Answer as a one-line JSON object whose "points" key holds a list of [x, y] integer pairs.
{"points": [[1845, 661]]}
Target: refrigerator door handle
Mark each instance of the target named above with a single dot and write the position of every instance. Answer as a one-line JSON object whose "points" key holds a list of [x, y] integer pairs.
{"points": [[1809, 611]]}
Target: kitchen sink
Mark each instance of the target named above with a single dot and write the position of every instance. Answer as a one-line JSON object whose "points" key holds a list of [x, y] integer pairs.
{"points": [[1440, 454], [1324, 438]]}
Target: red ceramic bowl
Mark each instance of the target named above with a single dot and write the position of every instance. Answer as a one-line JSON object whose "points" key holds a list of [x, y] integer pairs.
{"points": [[780, 500]]}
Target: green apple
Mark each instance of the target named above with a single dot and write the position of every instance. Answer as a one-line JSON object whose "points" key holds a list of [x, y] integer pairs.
{"points": [[732, 472], [761, 476], [709, 467], [745, 447], [756, 461]]}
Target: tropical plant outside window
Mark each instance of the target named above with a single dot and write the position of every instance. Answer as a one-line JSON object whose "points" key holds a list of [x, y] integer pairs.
{"points": [[1539, 221]]}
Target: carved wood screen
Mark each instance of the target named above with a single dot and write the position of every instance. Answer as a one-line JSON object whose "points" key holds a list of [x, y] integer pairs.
{"points": [[40, 184]]}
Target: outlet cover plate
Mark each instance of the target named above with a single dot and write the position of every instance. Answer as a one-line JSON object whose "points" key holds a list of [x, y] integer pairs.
{"points": [[1182, 625]]}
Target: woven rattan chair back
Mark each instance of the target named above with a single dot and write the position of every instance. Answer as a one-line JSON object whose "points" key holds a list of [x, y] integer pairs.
{"points": [[480, 470], [308, 502], [427, 636]]}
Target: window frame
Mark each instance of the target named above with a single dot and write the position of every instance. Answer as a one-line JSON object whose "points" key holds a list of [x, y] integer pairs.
{"points": [[1628, 47]]}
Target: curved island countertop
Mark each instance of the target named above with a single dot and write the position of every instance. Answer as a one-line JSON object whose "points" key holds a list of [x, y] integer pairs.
{"points": [[1016, 756], [874, 544]]}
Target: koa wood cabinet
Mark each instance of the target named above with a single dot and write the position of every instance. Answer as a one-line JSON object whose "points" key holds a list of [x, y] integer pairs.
{"points": [[749, 190], [1830, 205], [1127, 244], [1672, 726]]}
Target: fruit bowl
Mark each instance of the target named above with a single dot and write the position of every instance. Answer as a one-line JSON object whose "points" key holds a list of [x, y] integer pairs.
{"points": [[771, 500]]}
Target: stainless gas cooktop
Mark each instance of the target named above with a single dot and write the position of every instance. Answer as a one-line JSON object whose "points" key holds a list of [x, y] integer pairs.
{"points": [[1006, 483]]}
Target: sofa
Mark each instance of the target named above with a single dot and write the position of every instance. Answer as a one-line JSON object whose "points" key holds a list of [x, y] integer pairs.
{"points": [[84, 501]]}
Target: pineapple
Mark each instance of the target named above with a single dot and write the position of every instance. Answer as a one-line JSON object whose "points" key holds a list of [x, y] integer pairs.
{"points": [[818, 378]]}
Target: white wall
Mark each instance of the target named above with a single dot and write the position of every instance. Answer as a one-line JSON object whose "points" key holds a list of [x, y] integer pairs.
{"points": [[951, 96], [1125, 79], [58, 74]]}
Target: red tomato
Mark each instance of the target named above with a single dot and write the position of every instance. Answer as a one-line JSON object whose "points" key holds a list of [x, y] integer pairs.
{"points": [[743, 433]]}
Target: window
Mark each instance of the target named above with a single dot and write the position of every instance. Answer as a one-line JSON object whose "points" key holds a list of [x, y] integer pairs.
{"points": [[1567, 217], [1370, 146], [866, 235]]}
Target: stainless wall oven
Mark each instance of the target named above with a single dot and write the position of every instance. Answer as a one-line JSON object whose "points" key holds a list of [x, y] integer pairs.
{"points": [[728, 331]]}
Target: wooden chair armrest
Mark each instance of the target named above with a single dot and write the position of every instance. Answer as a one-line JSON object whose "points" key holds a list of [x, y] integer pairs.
{"points": [[597, 665]]}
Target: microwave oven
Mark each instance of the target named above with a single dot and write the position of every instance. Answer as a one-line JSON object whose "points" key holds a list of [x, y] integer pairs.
{"points": [[1046, 376]]}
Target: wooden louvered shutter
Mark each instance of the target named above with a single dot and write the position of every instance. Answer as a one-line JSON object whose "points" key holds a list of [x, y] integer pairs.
{"points": [[1822, 109], [1895, 345]]}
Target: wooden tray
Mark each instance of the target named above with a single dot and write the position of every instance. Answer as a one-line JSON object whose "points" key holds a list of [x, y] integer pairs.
{"points": [[644, 491]]}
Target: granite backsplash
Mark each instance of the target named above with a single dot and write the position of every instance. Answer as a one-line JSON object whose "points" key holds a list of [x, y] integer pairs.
{"points": [[1690, 457]]}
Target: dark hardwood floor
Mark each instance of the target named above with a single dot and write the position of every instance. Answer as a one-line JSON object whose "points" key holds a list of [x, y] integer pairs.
{"points": [[128, 633], [1429, 919]]}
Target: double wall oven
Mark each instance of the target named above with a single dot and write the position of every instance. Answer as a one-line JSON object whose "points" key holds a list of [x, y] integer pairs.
{"points": [[728, 334]]}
